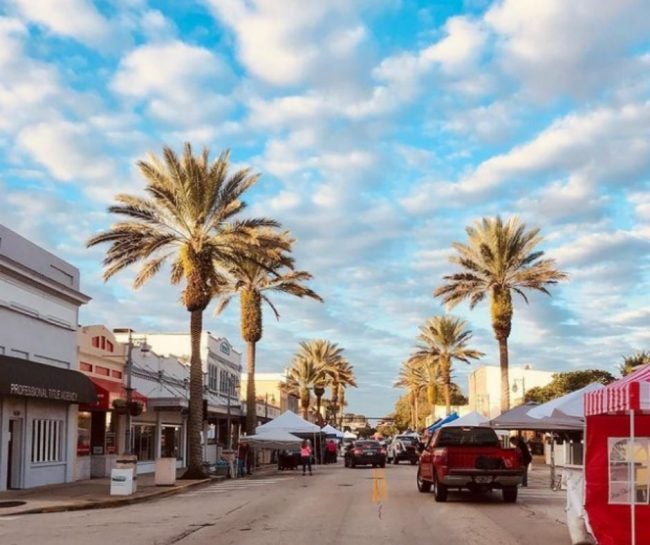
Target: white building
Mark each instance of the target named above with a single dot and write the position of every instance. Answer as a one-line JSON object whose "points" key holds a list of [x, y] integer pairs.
{"points": [[221, 365], [40, 386], [485, 387]]}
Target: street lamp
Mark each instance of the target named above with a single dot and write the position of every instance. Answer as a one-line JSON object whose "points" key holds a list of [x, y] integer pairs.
{"points": [[144, 347]]}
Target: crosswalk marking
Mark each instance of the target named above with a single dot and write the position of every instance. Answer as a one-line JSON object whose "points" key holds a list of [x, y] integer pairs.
{"points": [[239, 484]]}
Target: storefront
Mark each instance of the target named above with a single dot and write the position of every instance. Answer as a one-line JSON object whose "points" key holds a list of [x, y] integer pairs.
{"points": [[38, 419]]}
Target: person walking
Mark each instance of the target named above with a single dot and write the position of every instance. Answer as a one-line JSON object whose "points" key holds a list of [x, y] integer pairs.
{"points": [[330, 452], [524, 456], [305, 456], [242, 455]]}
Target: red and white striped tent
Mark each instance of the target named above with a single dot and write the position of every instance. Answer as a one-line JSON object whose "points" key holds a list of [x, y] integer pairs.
{"points": [[617, 460], [630, 392]]}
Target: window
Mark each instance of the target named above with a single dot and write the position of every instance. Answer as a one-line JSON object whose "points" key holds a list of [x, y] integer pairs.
{"points": [[212, 377], [46, 440], [96, 342], [109, 346], [83, 434], [83, 366], [143, 441], [102, 370], [225, 348], [116, 374], [629, 469]]}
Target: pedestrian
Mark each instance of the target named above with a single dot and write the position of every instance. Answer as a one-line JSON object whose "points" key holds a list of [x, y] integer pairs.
{"points": [[524, 456], [242, 455], [331, 452], [305, 456]]}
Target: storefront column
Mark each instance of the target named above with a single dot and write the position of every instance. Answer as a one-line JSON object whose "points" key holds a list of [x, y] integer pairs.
{"points": [[158, 450], [71, 443]]}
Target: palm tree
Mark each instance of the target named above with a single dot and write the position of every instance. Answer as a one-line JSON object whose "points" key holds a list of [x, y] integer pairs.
{"points": [[304, 375], [188, 217], [312, 361], [633, 362], [414, 379], [251, 280], [498, 259], [430, 369], [444, 339], [341, 375]]}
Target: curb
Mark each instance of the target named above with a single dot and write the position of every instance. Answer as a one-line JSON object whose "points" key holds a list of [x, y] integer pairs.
{"points": [[112, 502]]}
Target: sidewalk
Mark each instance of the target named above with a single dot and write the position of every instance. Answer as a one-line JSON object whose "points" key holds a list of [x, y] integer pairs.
{"points": [[91, 494]]}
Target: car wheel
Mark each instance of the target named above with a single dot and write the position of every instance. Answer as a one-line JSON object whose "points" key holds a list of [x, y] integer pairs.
{"points": [[439, 490], [423, 486], [510, 494], [413, 462]]}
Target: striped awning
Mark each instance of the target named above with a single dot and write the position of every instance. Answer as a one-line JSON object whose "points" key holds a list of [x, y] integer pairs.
{"points": [[630, 392]]}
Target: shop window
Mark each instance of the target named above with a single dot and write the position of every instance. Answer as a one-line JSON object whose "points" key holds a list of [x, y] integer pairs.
{"points": [[116, 374], [143, 441], [170, 442], [83, 434], [83, 366], [46, 440], [629, 469], [102, 370]]}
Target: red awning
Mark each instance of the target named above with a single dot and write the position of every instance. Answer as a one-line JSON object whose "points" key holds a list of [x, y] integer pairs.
{"points": [[107, 392]]}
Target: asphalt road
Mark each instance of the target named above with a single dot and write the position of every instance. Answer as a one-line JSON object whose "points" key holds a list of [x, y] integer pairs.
{"points": [[335, 506]]}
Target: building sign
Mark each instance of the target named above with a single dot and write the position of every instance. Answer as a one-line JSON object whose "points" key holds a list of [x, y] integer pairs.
{"points": [[225, 348], [42, 392]]}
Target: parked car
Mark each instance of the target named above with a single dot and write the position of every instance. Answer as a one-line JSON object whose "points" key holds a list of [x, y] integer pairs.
{"points": [[366, 452], [468, 457], [403, 447]]}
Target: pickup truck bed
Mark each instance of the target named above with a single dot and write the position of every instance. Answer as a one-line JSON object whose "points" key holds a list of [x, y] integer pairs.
{"points": [[470, 458]]}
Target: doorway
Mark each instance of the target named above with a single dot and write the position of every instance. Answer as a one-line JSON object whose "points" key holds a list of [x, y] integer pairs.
{"points": [[14, 453]]}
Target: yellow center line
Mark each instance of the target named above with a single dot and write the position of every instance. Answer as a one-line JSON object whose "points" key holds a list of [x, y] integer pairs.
{"points": [[379, 486]]}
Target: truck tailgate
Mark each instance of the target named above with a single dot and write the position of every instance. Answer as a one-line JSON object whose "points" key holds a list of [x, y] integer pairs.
{"points": [[465, 457]]}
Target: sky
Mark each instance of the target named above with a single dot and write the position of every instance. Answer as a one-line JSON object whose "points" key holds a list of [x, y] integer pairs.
{"points": [[380, 128]]}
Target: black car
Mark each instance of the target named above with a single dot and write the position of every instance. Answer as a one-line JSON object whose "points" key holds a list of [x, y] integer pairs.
{"points": [[404, 447], [288, 459], [365, 452]]}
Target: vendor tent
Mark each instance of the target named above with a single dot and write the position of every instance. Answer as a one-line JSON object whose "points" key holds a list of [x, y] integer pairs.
{"points": [[289, 422], [569, 405], [469, 420], [349, 435], [273, 439], [617, 460], [438, 424], [331, 431]]}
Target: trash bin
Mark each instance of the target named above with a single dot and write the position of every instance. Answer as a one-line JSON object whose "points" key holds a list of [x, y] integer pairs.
{"points": [[124, 476], [165, 471]]}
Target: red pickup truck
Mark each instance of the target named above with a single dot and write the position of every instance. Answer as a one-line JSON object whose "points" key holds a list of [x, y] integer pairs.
{"points": [[468, 457]]}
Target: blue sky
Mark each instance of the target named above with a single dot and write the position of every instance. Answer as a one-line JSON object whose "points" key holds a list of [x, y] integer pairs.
{"points": [[381, 129]]}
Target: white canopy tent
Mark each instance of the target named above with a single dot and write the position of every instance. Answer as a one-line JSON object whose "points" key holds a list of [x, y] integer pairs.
{"points": [[273, 439], [469, 420], [288, 422], [571, 404], [331, 431]]}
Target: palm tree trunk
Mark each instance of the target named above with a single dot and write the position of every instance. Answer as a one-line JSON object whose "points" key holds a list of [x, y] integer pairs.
{"points": [[304, 403], [251, 402], [505, 382], [195, 425], [431, 398], [446, 377], [342, 408], [335, 401], [417, 410]]}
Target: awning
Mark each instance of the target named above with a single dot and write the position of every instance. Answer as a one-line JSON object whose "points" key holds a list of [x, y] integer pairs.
{"points": [[107, 392], [629, 392], [26, 378]]}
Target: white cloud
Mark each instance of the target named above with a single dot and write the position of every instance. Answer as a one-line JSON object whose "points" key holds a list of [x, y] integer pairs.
{"points": [[556, 47], [76, 19], [295, 41], [69, 151], [180, 83]]}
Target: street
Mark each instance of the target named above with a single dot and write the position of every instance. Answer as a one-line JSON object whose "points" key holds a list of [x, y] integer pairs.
{"points": [[334, 506]]}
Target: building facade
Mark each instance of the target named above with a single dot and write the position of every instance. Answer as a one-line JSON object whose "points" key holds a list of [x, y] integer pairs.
{"points": [[40, 385], [485, 387], [272, 395], [221, 364]]}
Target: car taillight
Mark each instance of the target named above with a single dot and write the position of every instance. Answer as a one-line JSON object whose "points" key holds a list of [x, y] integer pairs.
{"points": [[358, 451]]}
